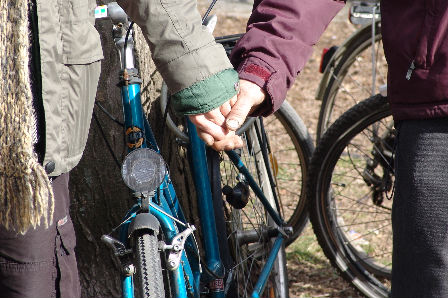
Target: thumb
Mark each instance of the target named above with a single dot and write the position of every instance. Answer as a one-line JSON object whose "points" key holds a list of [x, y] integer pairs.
{"points": [[238, 114]]}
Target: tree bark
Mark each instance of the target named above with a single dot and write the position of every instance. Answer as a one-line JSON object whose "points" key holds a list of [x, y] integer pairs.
{"points": [[99, 197]]}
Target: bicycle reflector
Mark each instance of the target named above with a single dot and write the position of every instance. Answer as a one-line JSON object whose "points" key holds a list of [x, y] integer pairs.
{"points": [[143, 170]]}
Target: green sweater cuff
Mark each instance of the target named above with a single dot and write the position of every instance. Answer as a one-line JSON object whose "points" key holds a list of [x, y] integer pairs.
{"points": [[206, 95]]}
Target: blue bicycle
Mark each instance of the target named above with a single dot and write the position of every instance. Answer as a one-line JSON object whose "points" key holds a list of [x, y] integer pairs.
{"points": [[250, 201]]}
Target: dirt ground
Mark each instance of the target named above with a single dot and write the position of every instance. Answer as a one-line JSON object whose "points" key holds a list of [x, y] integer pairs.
{"points": [[310, 274]]}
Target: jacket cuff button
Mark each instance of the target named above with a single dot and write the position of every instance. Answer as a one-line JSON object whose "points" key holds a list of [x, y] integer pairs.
{"points": [[49, 167]]}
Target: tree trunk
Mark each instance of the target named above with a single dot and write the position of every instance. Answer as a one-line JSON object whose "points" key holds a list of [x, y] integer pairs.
{"points": [[99, 197]]}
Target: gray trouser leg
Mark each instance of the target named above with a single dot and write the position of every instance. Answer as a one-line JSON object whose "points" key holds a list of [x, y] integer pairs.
{"points": [[420, 210], [42, 262]]}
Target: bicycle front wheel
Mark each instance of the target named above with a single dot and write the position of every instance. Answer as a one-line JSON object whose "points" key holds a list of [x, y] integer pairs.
{"points": [[350, 190], [149, 277]]}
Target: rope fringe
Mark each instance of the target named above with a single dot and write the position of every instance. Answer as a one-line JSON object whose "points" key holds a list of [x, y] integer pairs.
{"points": [[26, 196]]}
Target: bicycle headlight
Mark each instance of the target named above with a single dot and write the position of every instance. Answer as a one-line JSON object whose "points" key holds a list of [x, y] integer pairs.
{"points": [[143, 170]]}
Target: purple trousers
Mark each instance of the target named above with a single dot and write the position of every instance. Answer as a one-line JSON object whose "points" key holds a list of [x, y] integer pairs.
{"points": [[42, 263]]}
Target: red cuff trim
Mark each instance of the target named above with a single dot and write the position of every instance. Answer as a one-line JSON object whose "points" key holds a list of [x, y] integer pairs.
{"points": [[257, 70]]}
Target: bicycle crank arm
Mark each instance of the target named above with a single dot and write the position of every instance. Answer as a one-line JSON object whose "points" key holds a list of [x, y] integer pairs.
{"points": [[261, 235]]}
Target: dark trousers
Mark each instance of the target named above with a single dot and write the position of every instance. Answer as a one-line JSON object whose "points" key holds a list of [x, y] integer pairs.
{"points": [[42, 263], [420, 210]]}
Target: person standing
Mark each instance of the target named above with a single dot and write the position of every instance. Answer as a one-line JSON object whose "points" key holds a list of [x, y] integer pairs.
{"points": [[50, 55], [279, 39]]}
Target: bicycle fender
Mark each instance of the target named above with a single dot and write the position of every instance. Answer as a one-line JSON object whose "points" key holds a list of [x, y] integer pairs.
{"points": [[342, 49], [144, 221]]}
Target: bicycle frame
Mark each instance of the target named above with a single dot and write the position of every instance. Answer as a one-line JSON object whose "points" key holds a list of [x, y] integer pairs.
{"points": [[164, 204]]}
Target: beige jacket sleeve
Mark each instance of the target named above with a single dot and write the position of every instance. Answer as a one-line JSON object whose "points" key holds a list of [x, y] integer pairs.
{"points": [[182, 49], [70, 50]]}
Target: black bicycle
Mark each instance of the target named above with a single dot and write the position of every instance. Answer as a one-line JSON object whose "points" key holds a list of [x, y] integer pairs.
{"points": [[354, 70], [350, 191]]}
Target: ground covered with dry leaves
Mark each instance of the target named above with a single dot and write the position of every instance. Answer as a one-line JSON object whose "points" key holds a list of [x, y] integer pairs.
{"points": [[310, 273]]}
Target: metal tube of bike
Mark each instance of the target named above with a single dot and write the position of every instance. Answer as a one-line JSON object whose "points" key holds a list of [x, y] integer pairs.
{"points": [[205, 205], [177, 275], [127, 285], [133, 115], [190, 246], [127, 282], [236, 160], [261, 282]]}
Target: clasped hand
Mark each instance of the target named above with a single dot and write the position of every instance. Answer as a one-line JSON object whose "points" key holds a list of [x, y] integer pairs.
{"points": [[217, 127]]}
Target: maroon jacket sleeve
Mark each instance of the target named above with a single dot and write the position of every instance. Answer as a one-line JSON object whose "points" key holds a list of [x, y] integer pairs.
{"points": [[278, 42]]}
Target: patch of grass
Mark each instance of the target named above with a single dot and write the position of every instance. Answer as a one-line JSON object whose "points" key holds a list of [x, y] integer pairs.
{"points": [[309, 272], [306, 249]]}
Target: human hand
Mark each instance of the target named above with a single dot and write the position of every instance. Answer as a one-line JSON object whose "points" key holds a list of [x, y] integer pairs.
{"points": [[217, 127], [212, 129], [250, 97]]}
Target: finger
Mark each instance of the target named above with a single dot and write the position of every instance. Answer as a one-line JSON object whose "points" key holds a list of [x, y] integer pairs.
{"points": [[203, 124], [238, 114], [216, 116], [233, 100], [238, 142], [223, 145], [229, 140], [208, 139], [229, 143], [225, 108]]}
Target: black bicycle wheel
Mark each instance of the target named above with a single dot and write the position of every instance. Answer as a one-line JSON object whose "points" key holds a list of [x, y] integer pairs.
{"points": [[290, 151], [359, 73], [251, 232], [149, 278], [349, 191]]}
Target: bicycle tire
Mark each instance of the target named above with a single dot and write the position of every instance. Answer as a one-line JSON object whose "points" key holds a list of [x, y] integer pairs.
{"points": [[249, 257], [291, 147], [150, 282], [352, 219], [347, 84]]}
